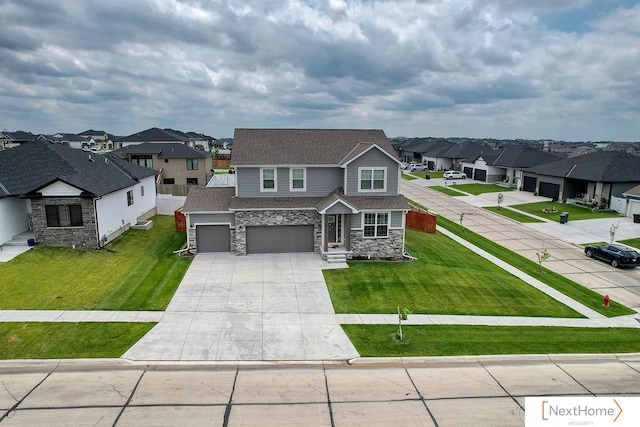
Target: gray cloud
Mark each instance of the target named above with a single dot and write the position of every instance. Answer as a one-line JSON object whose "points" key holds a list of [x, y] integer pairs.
{"points": [[409, 67]]}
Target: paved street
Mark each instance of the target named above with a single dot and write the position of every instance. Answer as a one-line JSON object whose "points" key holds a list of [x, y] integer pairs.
{"points": [[567, 257], [483, 391]]}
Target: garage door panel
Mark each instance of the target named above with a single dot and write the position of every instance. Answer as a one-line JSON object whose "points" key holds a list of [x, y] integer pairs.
{"points": [[468, 171], [213, 238], [548, 189], [480, 175], [530, 184], [280, 239]]}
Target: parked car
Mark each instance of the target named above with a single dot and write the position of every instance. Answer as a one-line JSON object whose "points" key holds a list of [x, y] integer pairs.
{"points": [[95, 148], [454, 175], [417, 167], [616, 255]]}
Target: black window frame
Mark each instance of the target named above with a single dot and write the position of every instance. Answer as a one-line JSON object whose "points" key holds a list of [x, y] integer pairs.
{"points": [[62, 216]]}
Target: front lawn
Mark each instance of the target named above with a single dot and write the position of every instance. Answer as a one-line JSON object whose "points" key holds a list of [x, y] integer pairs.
{"points": [[138, 272], [446, 279], [447, 190], [517, 216], [477, 189], [450, 340], [408, 177], [557, 281], [545, 210], [634, 243], [38, 340]]}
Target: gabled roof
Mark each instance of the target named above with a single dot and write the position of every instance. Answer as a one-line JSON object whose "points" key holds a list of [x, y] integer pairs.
{"points": [[68, 137], [30, 167], [19, 136], [156, 134], [521, 156], [90, 132], [599, 166], [633, 192], [164, 150], [253, 147]]}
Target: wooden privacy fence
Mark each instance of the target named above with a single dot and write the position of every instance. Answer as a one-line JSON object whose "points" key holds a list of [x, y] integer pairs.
{"points": [[420, 220], [180, 220]]}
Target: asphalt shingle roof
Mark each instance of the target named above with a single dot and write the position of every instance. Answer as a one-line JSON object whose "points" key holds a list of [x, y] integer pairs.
{"points": [[521, 156], [156, 134], [29, 167], [164, 150], [599, 166], [254, 147], [217, 199]]}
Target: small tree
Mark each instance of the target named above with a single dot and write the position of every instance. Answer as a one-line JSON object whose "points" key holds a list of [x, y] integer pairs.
{"points": [[461, 218], [542, 256], [612, 231], [403, 314], [500, 199]]}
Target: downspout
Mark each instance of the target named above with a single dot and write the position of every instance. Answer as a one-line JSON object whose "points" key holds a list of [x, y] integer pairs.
{"points": [[95, 214]]}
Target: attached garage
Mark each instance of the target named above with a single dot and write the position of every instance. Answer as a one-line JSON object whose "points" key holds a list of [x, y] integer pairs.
{"points": [[529, 184], [213, 238], [548, 189], [480, 175], [280, 239], [468, 171]]}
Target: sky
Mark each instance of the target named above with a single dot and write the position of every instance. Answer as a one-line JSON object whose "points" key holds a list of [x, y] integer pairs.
{"points": [[532, 69]]}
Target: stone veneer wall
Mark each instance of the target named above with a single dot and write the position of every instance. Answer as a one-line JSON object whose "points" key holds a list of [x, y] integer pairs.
{"points": [[84, 237], [388, 247], [293, 217]]}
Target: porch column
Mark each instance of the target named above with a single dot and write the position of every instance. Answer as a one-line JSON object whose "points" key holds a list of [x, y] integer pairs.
{"points": [[325, 238], [347, 232]]}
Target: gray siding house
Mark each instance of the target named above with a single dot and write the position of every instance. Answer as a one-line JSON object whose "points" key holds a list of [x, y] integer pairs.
{"points": [[333, 192]]}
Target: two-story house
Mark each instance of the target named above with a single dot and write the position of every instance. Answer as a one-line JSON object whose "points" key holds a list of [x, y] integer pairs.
{"points": [[304, 190], [176, 163]]}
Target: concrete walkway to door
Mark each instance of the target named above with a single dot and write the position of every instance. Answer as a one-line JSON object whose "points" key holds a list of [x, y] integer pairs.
{"points": [[254, 307]]}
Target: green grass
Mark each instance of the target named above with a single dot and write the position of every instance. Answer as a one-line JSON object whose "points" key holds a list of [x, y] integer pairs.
{"points": [[423, 174], [557, 281], [446, 279], [446, 190], [408, 177], [576, 213], [448, 340], [477, 189], [36, 340], [517, 216], [141, 273], [634, 243]]}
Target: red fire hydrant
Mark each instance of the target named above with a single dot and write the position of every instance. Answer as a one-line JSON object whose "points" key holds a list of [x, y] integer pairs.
{"points": [[606, 300]]}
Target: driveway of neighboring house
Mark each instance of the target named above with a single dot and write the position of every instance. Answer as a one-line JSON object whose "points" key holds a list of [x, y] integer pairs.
{"points": [[254, 307]]}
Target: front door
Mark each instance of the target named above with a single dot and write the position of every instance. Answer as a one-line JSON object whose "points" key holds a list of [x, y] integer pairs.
{"points": [[334, 228]]}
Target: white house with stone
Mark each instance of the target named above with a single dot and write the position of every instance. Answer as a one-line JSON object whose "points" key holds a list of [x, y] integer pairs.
{"points": [[69, 197]]}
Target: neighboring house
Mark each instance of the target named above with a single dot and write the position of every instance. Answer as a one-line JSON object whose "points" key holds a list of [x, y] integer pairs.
{"points": [[70, 197], [71, 140], [176, 163], [452, 155], [100, 137], [506, 165], [157, 135], [596, 177], [14, 139], [631, 205], [333, 192]]}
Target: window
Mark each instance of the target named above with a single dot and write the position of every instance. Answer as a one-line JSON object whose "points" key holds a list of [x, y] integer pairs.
{"points": [[192, 181], [166, 160], [376, 224], [298, 179], [192, 164], [169, 181], [373, 179], [63, 215], [142, 191], [129, 197], [142, 160], [268, 179]]}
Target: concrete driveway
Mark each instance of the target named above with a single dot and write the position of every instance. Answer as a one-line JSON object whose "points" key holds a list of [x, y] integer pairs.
{"points": [[254, 307]]}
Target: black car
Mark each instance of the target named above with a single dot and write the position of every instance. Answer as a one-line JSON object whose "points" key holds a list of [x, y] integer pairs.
{"points": [[616, 255]]}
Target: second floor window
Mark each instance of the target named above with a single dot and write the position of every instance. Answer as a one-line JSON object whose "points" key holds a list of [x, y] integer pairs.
{"points": [[268, 179], [298, 179], [372, 179], [143, 160], [192, 181], [129, 197], [192, 164]]}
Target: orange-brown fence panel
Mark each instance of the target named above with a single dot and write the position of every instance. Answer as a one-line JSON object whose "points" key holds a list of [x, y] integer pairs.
{"points": [[180, 220], [422, 221]]}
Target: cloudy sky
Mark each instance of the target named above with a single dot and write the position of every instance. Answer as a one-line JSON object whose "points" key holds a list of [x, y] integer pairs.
{"points": [[558, 69]]}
